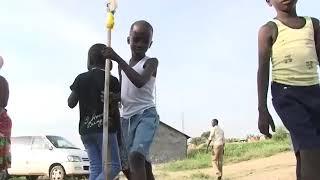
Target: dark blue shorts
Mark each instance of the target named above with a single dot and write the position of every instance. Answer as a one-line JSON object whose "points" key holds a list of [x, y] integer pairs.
{"points": [[299, 109]]}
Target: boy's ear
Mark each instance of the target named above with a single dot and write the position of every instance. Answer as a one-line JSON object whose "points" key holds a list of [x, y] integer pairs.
{"points": [[269, 3], [150, 44], [128, 39]]}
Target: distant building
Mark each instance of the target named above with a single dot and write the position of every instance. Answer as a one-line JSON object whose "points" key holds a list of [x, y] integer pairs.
{"points": [[253, 139], [262, 138], [169, 144]]}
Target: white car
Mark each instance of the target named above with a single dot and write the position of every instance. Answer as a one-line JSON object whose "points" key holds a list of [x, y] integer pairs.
{"points": [[51, 156]]}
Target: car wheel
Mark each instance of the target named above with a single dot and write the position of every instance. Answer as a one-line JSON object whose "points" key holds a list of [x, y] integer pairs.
{"points": [[32, 177], [84, 177], [57, 173]]}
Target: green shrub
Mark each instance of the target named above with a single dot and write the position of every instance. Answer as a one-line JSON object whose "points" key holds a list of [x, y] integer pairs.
{"points": [[205, 135], [198, 140], [280, 134]]}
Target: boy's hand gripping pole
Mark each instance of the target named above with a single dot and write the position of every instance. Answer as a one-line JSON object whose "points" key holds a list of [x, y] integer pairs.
{"points": [[111, 7]]}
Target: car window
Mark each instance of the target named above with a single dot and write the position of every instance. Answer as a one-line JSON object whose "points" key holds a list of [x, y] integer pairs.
{"points": [[39, 143], [60, 142], [21, 141]]}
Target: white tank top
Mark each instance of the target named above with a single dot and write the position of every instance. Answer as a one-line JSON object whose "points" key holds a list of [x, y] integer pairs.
{"points": [[135, 100]]}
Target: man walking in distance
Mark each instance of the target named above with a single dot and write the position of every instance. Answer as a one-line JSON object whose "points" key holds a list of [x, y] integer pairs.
{"points": [[217, 136]]}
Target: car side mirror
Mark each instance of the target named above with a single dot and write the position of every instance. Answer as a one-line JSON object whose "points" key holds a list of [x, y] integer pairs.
{"points": [[49, 147]]}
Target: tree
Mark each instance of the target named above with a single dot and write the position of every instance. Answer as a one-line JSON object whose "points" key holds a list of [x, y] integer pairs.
{"points": [[280, 134], [205, 135], [197, 141]]}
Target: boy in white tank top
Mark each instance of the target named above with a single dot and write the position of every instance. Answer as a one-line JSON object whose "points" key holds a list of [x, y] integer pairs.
{"points": [[139, 117]]}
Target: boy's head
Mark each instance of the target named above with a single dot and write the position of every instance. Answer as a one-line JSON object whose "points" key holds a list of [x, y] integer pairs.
{"points": [[283, 5], [140, 37], [214, 122], [4, 92], [95, 57]]}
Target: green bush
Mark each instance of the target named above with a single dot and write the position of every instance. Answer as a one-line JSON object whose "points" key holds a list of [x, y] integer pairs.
{"points": [[198, 140], [205, 135], [280, 134], [194, 152]]}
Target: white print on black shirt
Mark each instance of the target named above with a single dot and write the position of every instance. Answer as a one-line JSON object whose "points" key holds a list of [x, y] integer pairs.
{"points": [[96, 120]]}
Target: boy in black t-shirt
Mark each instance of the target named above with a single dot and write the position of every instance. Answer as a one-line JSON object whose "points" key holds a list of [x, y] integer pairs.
{"points": [[86, 90]]}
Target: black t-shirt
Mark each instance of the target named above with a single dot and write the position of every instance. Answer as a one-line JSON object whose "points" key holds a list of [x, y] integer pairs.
{"points": [[89, 86]]}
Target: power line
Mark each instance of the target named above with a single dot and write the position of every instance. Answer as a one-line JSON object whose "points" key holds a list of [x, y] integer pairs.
{"points": [[182, 121]]}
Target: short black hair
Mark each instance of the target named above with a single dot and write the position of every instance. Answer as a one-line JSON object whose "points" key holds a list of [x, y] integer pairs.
{"points": [[144, 24], [95, 56], [215, 120]]}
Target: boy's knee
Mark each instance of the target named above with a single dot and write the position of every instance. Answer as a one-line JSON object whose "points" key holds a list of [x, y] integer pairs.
{"points": [[136, 160]]}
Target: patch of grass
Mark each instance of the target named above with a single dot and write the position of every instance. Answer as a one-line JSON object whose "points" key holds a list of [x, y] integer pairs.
{"points": [[246, 151], [234, 152], [200, 176]]}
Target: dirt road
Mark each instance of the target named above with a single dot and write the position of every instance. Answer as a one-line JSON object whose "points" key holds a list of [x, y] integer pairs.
{"points": [[278, 167]]}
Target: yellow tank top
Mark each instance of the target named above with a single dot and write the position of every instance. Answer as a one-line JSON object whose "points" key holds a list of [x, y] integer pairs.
{"points": [[294, 58]]}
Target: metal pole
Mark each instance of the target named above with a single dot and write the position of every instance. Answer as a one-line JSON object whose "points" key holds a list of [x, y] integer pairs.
{"points": [[106, 112], [182, 121], [112, 4]]}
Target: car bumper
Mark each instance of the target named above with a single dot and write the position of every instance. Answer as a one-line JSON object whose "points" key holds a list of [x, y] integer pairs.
{"points": [[76, 168]]}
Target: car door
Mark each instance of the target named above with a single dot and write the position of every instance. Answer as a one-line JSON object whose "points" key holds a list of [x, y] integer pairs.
{"points": [[20, 152], [39, 161]]}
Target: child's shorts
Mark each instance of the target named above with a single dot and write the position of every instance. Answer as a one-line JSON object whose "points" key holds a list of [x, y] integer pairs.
{"points": [[299, 109], [139, 131]]}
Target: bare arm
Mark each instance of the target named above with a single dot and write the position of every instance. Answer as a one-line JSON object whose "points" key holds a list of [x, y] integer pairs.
{"points": [[211, 136], [264, 53], [73, 99], [4, 92], [209, 142], [316, 28], [120, 76], [265, 42], [139, 80]]}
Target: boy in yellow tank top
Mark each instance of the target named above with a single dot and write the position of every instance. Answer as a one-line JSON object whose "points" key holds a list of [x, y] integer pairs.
{"points": [[292, 44]]}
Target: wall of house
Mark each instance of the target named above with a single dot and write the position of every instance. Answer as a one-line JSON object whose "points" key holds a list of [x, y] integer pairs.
{"points": [[168, 145]]}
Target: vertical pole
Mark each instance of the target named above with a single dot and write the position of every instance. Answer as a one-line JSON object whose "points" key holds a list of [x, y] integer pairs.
{"points": [[106, 112], [182, 121]]}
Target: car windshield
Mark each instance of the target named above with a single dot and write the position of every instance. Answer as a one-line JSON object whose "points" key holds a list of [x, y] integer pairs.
{"points": [[60, 142]]}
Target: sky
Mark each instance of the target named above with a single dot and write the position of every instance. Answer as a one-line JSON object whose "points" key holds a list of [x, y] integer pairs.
{"points": [[207, 52]]}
